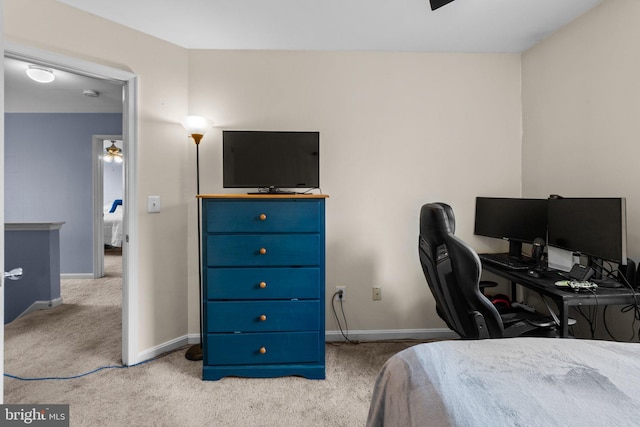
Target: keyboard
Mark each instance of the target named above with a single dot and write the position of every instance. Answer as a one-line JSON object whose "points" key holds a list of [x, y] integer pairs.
{"points": [[506, 261]]}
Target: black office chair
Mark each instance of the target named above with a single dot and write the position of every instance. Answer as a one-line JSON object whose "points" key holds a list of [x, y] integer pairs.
{"points": [[453, 270]]}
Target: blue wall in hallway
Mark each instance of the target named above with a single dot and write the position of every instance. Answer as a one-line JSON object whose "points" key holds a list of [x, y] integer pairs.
{"points": [[48, 176]]}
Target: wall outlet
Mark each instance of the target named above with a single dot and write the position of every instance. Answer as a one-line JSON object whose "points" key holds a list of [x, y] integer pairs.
{"points": [[344, 292], [377, 293]]}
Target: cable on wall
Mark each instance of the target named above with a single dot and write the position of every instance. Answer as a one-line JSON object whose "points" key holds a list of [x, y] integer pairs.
{"points": [[335, 314]]}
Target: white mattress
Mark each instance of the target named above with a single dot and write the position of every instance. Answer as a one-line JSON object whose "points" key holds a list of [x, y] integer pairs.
{"points": [[113, 228]]}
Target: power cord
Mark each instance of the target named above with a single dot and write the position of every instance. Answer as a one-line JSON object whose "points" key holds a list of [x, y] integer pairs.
{"points": [[335, 314], [635, 307], [15, 377], [591, 318]]}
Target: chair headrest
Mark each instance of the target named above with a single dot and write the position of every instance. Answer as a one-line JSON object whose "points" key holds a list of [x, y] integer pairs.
{"points": [[436, 221]]}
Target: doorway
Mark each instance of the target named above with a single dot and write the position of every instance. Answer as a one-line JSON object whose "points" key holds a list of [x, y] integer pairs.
{"points": [[108, 194], [128, 81]]}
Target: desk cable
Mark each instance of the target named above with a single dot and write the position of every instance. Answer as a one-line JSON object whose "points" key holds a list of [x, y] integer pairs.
{"points": [[635, 307]]}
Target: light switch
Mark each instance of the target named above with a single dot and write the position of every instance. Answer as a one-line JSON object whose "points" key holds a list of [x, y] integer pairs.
{"points": [[153, 204]]}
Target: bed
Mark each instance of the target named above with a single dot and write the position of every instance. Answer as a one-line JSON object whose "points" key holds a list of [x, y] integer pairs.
{"points": [[113, 224], [510, 382]]}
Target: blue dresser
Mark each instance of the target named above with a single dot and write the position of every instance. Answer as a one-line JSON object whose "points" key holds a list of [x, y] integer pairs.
{"points": [[263, 285]]}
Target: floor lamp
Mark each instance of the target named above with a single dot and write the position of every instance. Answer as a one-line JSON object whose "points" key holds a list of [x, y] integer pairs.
{"points": [[196, 127]]}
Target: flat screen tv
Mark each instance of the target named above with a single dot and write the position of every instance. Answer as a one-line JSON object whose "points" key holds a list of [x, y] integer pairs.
{"points": [[270, 160]]}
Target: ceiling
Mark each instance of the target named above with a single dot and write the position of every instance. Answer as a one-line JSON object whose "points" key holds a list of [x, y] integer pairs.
{"points": [[503, 26], [63, 95], [483, 26]]}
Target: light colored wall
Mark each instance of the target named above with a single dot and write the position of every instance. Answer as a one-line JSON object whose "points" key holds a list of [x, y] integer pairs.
{"points": [[396, 130], [163, 147], [581, 114]]}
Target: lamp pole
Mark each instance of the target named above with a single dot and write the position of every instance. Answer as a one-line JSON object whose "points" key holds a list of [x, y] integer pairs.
{"points": [[196, 127]]}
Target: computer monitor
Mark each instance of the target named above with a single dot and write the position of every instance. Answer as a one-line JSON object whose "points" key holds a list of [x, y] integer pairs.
{"points": [[514, 219], [594, 227]]}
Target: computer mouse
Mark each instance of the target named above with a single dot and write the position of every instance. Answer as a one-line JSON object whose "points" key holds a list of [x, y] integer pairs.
{"points": [[534, 273]]}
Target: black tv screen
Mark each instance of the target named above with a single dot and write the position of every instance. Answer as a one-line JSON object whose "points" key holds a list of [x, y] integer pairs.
{"points": [[270, 159]]}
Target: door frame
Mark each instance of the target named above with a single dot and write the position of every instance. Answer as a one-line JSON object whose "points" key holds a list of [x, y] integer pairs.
{"points": [[130, 248], [97, 142]]}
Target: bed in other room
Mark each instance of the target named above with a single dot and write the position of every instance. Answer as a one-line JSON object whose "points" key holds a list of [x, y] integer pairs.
{"points": [[113, 224]]}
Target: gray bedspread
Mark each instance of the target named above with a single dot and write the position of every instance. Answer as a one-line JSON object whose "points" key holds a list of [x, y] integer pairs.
{"points": [[510, 382]]}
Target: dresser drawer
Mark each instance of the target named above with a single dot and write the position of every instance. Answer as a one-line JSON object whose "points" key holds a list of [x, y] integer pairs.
{"points": [[263, 283], [262, 316], [262, 348], [279, 250], [301, 216]]}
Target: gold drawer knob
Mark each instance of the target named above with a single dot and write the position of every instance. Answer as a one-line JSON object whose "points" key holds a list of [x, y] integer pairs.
{"points": [[262, 317], [263, 251], [263, 217], [262, 350], [263, 285]]}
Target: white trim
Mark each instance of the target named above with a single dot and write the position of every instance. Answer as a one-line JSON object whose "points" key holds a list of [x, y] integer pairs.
{"points": [[392, 334], [330, 336], [193, 338], [2, 182], [41, 305], [130, 313], [33, 226], [130, 248], [76, 276], [98, 201], [166, 347]]}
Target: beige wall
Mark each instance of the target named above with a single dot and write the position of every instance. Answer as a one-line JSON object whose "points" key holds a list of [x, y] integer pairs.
{"points": [[581, 114], [581, 109], [397, 130], [163, 149]]}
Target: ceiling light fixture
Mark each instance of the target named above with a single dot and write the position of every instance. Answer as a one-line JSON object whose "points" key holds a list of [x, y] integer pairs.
{"points": [[113, 153], [40, 74]]}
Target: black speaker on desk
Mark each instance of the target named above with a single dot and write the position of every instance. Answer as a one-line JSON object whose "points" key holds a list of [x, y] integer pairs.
{"points": [[537, 250]]}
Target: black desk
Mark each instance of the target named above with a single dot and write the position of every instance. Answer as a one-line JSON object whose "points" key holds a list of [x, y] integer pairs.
{"points": [[564, 297]]}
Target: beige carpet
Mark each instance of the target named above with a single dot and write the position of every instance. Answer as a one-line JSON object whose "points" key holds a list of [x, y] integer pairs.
{"points": [[84, 333]]}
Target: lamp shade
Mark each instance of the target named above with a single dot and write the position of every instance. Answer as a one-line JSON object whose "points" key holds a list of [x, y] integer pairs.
{"points": [[197, 126]]}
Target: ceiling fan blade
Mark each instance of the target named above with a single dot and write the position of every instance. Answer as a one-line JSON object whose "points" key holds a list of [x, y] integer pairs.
{"points": [[435, 4]]}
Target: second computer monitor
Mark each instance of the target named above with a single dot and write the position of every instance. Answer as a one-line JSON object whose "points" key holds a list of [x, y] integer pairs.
{"points": [[514, 219], [595, 227]]}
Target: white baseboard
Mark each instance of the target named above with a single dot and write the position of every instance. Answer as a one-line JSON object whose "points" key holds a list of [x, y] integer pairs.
{"points": [[330, 336], [77, 276], [41, 305], [392, 334], [165, 347]]}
